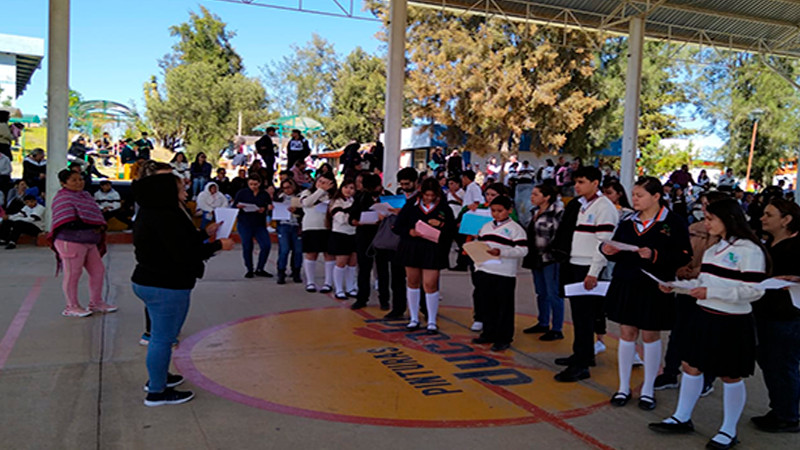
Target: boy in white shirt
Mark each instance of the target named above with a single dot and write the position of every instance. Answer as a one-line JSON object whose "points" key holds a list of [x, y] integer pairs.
{"points": [[30, 220], [110, 203], [473, 196]]}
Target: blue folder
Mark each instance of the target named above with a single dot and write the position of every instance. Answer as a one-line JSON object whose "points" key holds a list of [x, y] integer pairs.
{"points": [[472, 223], [397, 201]]}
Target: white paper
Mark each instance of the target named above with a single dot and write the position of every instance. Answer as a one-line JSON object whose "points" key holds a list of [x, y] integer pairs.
{"points": [[226, 217], [382, 208], [776, 283], [577, 289], [368, 218], [249, 207], [321, 207], [679, 286], [280, 211], [486, 212], [622, 246]]}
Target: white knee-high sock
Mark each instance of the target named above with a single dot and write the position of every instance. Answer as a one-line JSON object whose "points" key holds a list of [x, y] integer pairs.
{"points": [[625, 352], [412, 295], [338, 279], [350, 276], [309, 267], [733, 399], [432, 302], [329, 265], [652, 362], [691, 386]]}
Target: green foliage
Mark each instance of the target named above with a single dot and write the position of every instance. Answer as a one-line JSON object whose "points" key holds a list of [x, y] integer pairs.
{"points": [[358, 104], [203, 39], [656, 159]]}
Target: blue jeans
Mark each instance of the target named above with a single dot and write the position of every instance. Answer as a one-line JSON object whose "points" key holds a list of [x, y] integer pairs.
{"points": [[198, 184], [248, 231], [548, 300], [779, 359], [289, 240], [167, 309]]}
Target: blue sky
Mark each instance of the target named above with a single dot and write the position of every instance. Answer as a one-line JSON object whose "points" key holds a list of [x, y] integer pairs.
{"points": [[115, 44]]}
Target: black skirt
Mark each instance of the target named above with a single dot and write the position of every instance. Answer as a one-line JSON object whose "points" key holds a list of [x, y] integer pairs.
{"points": [[639, 303], [722, 345], [341, 244], [422, 254], [315, 241]]}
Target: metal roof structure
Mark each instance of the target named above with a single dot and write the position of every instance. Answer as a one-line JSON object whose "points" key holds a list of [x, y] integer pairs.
{"points": [[762, 26], [28, 53]]}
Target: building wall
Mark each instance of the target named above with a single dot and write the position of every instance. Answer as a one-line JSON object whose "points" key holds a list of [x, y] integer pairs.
{"points": [[8, 77]]}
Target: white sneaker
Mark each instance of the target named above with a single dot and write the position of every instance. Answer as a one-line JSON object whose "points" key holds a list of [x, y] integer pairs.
{"points": [[476, 326], [637, 360], [599, 347]]}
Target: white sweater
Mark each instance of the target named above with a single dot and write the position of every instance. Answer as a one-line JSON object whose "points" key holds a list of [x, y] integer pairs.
{"points": [[33, 215], [5, 165], [730, 272], [108, 199], [340, 220], [511, 239], [597, 220], [314, 217]]}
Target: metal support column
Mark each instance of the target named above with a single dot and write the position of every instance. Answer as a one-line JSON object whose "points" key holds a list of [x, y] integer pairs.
{"points": [[633, 87], [57, 97], [395, 78]]}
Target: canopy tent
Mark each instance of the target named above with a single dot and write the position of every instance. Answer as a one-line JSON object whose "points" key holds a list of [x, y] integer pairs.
{"points": [[26, 119], [284, 125], [91, 111]]}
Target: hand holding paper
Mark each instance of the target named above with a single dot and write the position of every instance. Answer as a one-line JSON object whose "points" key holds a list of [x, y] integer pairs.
{"points": [[368, 218], [621, 246], [226, 218], [577, 289], [281, 212], [426, 231], [478, 252]]}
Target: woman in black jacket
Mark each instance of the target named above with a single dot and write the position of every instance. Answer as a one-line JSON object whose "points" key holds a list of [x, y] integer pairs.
{"points": [[170, 257]]}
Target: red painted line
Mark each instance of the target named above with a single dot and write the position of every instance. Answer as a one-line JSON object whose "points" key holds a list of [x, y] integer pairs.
{"points": [[15, 329]]}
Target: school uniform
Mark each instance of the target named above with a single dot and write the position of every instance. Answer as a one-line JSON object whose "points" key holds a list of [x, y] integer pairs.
{"points": [[315, 234], [633, 298], [418, 252], [455, 201], [723, 338], [496, 279], [343, 234], [595, 223], [28, 221]]}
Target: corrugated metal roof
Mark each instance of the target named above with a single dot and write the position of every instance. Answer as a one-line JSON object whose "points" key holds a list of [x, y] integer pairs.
{"points": [[771, 26]]}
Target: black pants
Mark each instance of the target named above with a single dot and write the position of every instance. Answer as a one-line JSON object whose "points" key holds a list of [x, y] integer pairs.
{"points": [[684, 311], [366, 258], [6, 150], [478, 306], [586, 310], [397, 272], [119, 214], [495, 294], [779, 359], [11, 230]]}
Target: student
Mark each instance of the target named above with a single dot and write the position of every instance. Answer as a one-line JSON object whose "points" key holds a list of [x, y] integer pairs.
{"points": [[365, 234], [778, 322], [342, 242], [289, 233], [496, 279], [29, 220], [634, 300], [596, 221], [200, 173], [723, 340], [315, 233], [110, 203], [455, 195], [239, 182], [253, 224], [223, 183], [208, 201], [473, 196], [407, 180], [423, 258], [542, 262], [297, 149]]}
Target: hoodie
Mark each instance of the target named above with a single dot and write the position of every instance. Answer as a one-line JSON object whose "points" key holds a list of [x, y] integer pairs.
{"points": [[208, 202], [170, 251]]}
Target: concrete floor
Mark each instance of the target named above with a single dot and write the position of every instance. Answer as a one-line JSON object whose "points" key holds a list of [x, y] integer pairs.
{"points": [[76, 383]]}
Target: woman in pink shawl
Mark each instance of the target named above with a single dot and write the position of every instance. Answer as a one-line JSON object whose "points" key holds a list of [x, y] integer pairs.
{"points": [[78, 238]]}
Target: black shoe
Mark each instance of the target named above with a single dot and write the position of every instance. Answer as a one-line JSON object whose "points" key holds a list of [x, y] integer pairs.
{"points": [[394, 316], [433, 329], [570, 360], [296, 276], [481, 340], [281, 277], [263, 273], [716, 445], [675, 427], [708, 388], [326, 288], [620, 399], [500, 347], [538, 328], [572, 374], [771, 424], [11, 246], [168, 397], [385, 307], [358, 305], [647, 403], [551, 336], [249, 274], [412, 326], [341, 296], [173, 380], [666, 381]]}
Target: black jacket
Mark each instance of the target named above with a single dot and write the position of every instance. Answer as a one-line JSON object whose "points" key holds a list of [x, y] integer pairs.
{"points": [[562, 244], [170, 252], [266, 148]]}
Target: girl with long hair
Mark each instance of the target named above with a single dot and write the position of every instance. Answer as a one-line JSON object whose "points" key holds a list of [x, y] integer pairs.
{"points": [[342, 243], [316, 235]]}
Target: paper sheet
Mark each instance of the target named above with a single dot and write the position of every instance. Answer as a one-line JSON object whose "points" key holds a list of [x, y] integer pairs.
{"points": [[226, 217], [396, 201], [368, 218], [622, 246], [249, 207], [576, 289], [280, 211], [679, 286], [472, 222], [382, 208], [477, 251], [775, 283], [321, 207], [427, 232]]}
